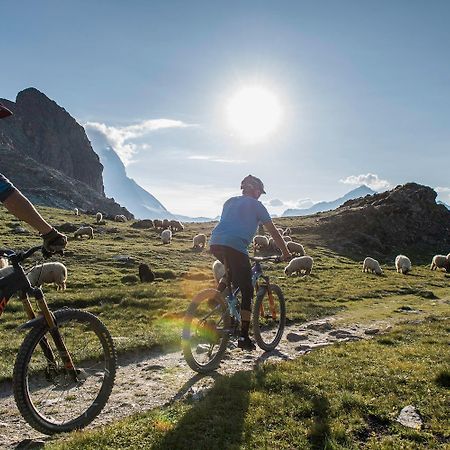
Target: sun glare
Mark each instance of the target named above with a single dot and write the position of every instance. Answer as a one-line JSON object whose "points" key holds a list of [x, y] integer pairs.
{"points": [[253, 113]]}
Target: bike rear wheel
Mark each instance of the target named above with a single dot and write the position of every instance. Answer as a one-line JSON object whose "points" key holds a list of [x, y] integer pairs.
{"points": [[269, 317], [48, 396], [205, 331]]}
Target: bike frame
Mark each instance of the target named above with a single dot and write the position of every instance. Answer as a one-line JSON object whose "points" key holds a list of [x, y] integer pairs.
{"points": [[17, 281]]}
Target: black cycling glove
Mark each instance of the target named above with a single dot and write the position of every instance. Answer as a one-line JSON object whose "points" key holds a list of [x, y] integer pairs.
{"points": [[54, 242]]}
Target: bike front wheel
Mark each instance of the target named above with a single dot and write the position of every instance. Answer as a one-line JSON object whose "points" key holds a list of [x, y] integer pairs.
{"points": [[51, 398], [269, 317], [206, 331]]}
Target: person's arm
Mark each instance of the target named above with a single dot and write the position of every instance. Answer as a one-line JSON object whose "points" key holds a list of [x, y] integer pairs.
{"points": [[22, 208], [270, 227]]}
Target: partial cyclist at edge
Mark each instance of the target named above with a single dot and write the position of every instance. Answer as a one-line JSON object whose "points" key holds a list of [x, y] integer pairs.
{"points": [[18, 205], [230, 239]]}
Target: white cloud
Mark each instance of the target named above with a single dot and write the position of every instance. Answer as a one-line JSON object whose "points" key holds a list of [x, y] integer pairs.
{"points": [[371, 180], [275, 202], [120, 138], [304, 203], [443, 193], [216, 159]]}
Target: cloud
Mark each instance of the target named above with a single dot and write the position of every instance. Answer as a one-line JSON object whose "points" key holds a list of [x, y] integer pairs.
{"points": [[275, 202], [443, 193], [216, 159], [120, 138], [304, 203], [371, 180]]}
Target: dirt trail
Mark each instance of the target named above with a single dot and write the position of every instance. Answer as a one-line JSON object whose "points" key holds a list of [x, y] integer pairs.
{"points": [[151, 379]]}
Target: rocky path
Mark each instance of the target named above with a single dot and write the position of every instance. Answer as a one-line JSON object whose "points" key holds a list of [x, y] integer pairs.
{"points": [[150, 379]]}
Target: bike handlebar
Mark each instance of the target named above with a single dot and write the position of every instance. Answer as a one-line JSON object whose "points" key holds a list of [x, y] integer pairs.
{"points": [[21, 255]]}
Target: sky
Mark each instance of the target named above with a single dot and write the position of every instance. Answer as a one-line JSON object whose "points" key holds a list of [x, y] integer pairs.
{"points": [[361, 91]]}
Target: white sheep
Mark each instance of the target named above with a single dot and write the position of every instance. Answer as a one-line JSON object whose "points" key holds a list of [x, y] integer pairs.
{"points": [[372, 265], [75, 211], [4, 263], [52, 272], [402, 264], [84, 231], [287, 231], [287, 238], [280, 230], [199, 241], [166, 236], [295, 248], [99, 217], [273, 247], [440, 262], [120, 218], [218, 270], [260, 242], [298, 264]]}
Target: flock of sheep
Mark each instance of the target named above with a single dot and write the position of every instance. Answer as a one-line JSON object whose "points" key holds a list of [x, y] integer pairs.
{"points": [[301, 264]]}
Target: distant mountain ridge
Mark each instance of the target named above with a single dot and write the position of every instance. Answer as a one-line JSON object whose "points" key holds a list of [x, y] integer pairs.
{"points": [[360, 191]]}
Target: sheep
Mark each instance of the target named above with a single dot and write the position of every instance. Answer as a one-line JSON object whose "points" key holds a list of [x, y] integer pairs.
{"points": [[218, 270], [280, 230], [260, 242], [298, 264], [4, 263], [286, 238], [199, 241], [99, 217], [75, 211], [372, 265], [440, 262], [52, 272], [120, 218], [295, 248], [287, 231], [166, 236], [84, 231], [146, 274], [165, 223], [273, 246], [176, 225], [402, 264], [157, 223]]}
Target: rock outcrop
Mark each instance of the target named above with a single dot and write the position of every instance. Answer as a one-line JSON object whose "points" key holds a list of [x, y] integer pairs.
{"points": [[405, 219], [46, 132]]}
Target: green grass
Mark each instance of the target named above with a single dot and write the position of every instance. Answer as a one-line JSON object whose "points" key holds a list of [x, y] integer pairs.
{"points": [[342, 397], [148, 315]]}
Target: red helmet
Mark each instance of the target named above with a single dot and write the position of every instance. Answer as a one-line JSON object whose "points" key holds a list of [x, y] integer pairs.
{"points": [[253, 183], [4, 111]]}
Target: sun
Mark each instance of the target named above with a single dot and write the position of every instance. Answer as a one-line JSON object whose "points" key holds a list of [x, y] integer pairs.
{"points": [[253, 113]]}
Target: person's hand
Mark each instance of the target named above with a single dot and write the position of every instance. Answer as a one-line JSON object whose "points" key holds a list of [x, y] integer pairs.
{"points": [[54, 242]]}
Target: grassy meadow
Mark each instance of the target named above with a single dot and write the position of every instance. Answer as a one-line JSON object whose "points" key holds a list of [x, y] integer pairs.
{"points": [[331, 398]]}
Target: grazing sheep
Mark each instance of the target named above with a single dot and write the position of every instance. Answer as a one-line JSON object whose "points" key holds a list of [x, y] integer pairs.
{"points": [[199, 241], [166, 236], [99, 217], [287, 231], [286, 238], [84, 231], [218, 270], [52, 272], [372, 265], [157, 223], [120, 218], [146, 274], [440, 262], [280, 230], [402, 264], [4, 263], [298, 264], [295, 248], [166, 223], [75, 211], [176, 225], [273, 247], [260, 242]]}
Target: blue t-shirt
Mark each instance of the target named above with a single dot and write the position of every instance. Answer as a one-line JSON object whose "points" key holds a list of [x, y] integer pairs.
{"points": [[6, 188], [239, 222]]}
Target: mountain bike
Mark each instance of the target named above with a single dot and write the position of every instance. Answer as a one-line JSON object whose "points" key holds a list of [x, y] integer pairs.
{"points": [[213, 317], [65, 368]]}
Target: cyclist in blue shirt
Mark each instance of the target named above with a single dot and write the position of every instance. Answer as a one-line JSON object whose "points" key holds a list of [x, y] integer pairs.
{"points": [[16, 203], [229, 241]]}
